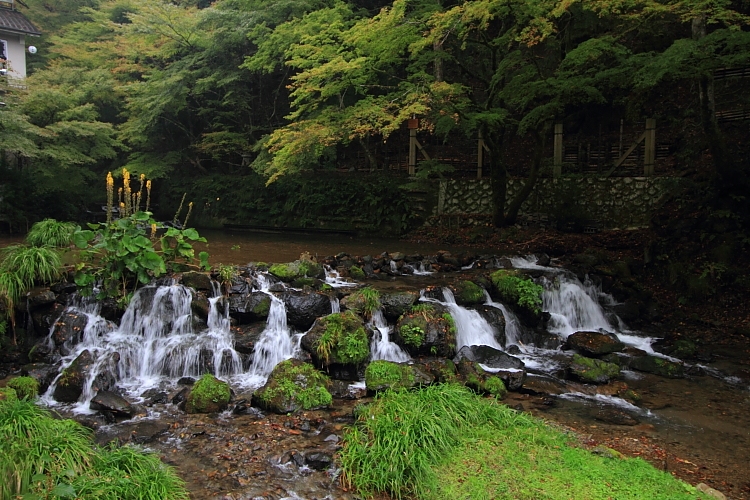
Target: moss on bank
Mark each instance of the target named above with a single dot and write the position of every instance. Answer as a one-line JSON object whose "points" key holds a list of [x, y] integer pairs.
{"points": [[209, 395]]}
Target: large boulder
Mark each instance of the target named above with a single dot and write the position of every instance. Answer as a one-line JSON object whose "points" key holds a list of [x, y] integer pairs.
{"points": [[397, 303], [197, 281], [291, 271], [302, 309], [293, 385], [509, 368], [45, 316], [208, 395], [594, 343], [249, 307], [109, 403], [592, 371], [70, 384], [381, 375], [246, 336], [427, 329], [339, 343], [69, 327]]}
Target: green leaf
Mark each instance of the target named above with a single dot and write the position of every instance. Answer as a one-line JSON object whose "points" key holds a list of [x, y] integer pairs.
{"points": [[64, 491], [81, 238]]}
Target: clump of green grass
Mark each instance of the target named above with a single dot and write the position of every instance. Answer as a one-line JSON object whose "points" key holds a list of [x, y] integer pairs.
{"points": [[30, 264], [51, 233], [344, 339], [444, 442], [44, 457], [519, 289], [25, 387]]}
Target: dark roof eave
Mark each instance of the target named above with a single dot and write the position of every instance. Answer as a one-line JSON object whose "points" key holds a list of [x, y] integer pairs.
{"points": [[20, 32]]}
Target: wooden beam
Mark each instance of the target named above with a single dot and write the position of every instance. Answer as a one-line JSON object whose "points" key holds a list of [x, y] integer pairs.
{"points": [[412, 151], [624, 156]]}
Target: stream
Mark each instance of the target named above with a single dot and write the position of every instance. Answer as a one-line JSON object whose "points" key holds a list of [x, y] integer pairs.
{"points": [[699, 425]]}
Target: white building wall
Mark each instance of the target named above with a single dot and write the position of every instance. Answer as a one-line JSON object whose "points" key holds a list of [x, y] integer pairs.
{"points": [[16, 55]]}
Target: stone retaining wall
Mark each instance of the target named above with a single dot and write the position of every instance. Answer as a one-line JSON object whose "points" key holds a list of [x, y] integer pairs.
{"points": [[598, 202]]}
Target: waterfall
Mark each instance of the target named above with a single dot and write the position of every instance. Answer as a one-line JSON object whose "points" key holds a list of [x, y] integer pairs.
{"points": [[155, 341], [275, 344], [420, 269], [571, 308], [333, 278], [471, 327], [394, 267], [382, 347], [512, 323], [335, 305]]}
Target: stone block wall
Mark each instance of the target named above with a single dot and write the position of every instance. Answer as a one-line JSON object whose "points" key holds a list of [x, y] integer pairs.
{"points": [[616, 202]]}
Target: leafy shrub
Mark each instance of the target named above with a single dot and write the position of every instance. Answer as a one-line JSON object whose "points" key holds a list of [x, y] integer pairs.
{"points": [[51, 233]]}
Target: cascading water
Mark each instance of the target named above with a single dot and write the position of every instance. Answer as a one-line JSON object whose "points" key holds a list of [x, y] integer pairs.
{"points": [[512, 323], [382, 347], [334, 280], [571, 308], [394, 267], [335, 305], [471, 327], [154, 343]]}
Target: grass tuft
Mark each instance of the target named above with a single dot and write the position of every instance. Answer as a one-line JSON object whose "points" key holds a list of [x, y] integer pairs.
{"points": [[51, 233]]}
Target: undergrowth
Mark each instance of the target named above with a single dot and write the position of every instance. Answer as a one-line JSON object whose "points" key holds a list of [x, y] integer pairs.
{"points": [[445, 442]]}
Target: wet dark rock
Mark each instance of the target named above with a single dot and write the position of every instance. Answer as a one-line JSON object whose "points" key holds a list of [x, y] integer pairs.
{"points": [[544, 384], [343, 389], [467, 293], [615, 417], [543, 259], [109, 402], [36, 298], [44, 317], [302, 309], [41, 352], [246, 337], [318, 460], [148, 431], [200, 306], [43, 373], [509, 368], [658, 366], [70, 384], [249, 307], [681, 348], [64, 287], [154, 396], [196, 280], [181, 395], [186, 381], [69, 328], [397, 303], [594, 343]]}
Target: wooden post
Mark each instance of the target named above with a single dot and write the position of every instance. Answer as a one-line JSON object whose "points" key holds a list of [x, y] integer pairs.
{"points": [[413, 124], [480, 154], [558, 158], [650, 152]]}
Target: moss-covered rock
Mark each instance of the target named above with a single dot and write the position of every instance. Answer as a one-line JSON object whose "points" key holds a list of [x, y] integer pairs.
{"points": [[381, 375], [468, 293], [444, 370], [70, 384], [593, 371], [7, 394], [290, 271], [397, 303], [357, 273], [363, 302], [658, 366], [208, 395], [294, 385], [520, 292], [25, 387], [427, 329], [338, 339], [479, 380]]}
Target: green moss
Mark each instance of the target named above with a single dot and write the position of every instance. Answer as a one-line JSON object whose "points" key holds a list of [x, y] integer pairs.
{"points": [[470, 293], [593, 370], [494, 385], [263, 307], [208, 395], [8, 394], [285, 272], [422, 308], [516, 288], [357, 273], [297, 383], [344, 339], [25, 387], [365, 301], [381, 375], [303, 282]]}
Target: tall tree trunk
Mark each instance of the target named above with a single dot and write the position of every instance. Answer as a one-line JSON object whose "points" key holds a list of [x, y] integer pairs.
{"points": [[528, 187], [437, 47], [498, 175]]}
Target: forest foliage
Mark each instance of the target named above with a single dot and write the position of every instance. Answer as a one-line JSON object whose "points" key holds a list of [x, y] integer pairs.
{"points": [[192, 88]]}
